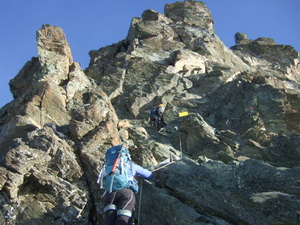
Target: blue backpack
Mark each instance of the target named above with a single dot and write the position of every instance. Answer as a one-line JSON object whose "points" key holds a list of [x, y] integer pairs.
{"points": [[117, 172], [153, 114]]}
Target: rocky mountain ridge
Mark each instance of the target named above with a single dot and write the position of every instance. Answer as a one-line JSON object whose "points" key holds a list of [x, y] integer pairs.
{"points": [[240, 141]]}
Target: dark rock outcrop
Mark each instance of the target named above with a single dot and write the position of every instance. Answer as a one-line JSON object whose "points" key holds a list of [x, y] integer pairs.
{"points": [[239, 143]]}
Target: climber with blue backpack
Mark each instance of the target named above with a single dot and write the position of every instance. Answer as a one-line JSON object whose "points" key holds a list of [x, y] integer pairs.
{"points": [[157, 117], [117, 177]]}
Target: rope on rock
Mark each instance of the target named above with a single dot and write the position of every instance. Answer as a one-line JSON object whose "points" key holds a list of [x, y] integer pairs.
{"points": [[159, 168], [140, 202]]}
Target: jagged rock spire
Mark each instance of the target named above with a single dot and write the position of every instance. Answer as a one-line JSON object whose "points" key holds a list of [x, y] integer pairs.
{"points": [[54, 53], [192, 13]]}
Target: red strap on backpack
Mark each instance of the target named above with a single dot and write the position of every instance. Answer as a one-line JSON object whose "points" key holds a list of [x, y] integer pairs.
{"points": [[116, 163]]}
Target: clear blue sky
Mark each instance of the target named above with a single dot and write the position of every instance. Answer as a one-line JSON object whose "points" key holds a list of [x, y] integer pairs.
{"points": [[91, 24]]}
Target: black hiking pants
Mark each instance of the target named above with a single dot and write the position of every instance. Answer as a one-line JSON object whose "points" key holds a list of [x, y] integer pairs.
{"points": [[118, 206]]}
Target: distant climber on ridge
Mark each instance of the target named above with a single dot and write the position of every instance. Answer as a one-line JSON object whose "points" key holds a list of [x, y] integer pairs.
{"points": [[157, 117]]}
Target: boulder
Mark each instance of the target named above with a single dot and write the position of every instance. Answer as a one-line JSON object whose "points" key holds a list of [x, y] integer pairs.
{"points": [[243, 193], [240, 38]]}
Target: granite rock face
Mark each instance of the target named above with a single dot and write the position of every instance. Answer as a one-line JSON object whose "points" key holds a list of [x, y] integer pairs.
{"points": [[238, 146]]}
